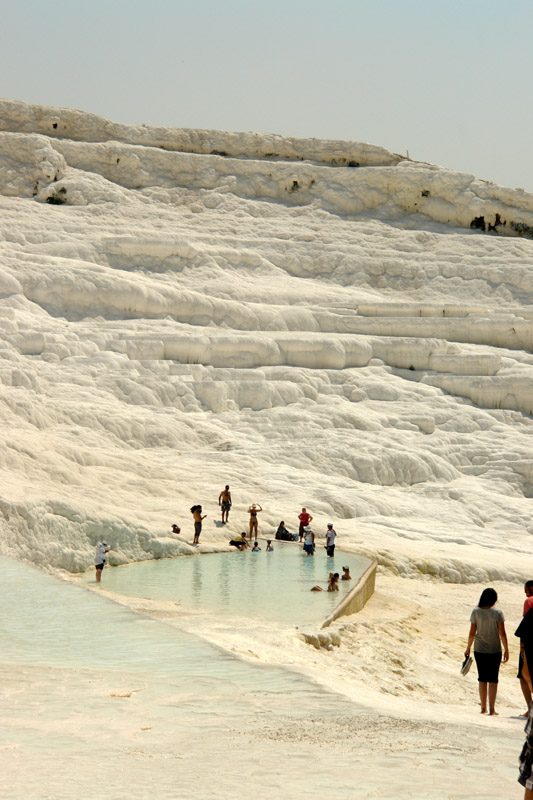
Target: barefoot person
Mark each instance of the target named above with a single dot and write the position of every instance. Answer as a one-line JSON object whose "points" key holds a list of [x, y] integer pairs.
{"points": [[524, 685], [224, 501], [487, 634], [305, 518], [253, 511], [99, 559], [239, 541], [196, 512]]}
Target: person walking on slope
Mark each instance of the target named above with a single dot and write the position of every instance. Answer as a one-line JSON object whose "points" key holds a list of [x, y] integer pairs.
{"points": [[330, 540], [99, 559], [196, 512], [305, 518], [224, 501], [487, 628]]}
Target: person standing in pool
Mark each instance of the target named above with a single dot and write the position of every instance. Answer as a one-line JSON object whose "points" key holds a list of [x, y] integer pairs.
{"points": [[196, 512], [309, 540], [224, 501], [305, 518], [253, 511], [99, 559], [330, 540]]}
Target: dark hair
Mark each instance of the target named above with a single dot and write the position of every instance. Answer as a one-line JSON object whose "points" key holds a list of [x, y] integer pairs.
{"points": [[195, 508], [528, 585], [488, 598]]}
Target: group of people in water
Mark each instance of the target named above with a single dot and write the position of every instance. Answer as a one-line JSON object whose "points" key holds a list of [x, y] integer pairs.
{"points": [[488, 637], [305, 535]]}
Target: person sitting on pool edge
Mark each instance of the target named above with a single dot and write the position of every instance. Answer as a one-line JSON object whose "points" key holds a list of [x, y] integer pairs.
{"points": [[239, 541], [282, 532]]}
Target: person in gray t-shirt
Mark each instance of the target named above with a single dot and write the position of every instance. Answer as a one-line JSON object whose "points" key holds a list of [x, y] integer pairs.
{"points": [[487, 630]]}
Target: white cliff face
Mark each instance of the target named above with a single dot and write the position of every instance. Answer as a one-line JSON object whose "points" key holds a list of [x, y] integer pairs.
{"points": [[314, 334]]}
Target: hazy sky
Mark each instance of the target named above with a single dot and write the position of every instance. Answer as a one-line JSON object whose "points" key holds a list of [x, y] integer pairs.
{"points": [[447, 80]]}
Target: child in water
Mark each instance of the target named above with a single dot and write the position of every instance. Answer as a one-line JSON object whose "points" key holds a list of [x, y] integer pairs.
{"points": [[269, 549], [346, 574], [256, 547], [333, 583]]}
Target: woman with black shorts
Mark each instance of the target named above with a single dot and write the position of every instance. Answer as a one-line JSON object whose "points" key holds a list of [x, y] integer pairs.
{"points": [[487, 629]]}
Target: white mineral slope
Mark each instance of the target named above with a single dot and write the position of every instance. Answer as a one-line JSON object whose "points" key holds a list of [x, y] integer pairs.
{"points": [[311, 334]]}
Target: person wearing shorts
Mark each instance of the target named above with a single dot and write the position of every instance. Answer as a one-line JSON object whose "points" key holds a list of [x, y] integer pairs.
{"points": [[99, 559], [224, 501], [196, 512], [487, 634], [309, 540]]}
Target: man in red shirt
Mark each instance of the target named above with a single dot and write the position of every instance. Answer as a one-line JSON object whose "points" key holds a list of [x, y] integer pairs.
{"points": [[305, 519]]}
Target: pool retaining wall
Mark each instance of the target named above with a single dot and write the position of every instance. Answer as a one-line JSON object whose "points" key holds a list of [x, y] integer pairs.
{"points": [[357, 598]]}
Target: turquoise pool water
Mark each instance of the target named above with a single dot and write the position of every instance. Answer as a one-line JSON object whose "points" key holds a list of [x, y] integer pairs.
{"points": [[271, 586]]}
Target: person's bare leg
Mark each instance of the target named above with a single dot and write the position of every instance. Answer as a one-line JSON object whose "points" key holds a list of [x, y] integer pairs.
{"points": [[483, 696], [98, 575], [493, 688], [526, 691], [528, 795]]}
